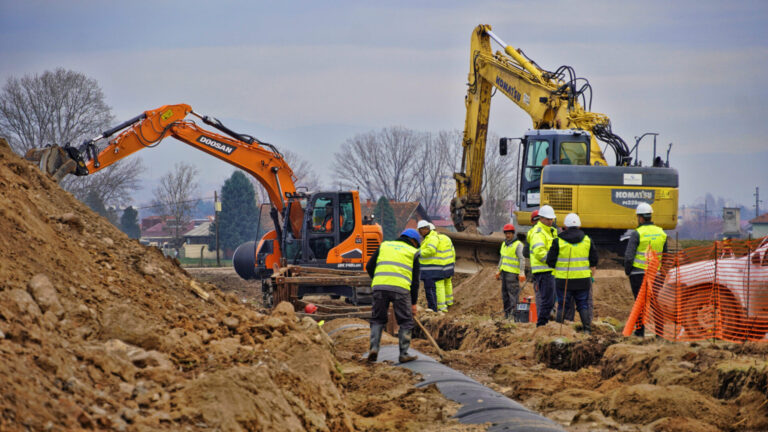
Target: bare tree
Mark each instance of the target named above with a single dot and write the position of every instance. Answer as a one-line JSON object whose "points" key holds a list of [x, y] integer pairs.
{"points": [[65, 107], [175, 196], [56, 107], [498, 186], [439, 158], [304, 175], [382, 163], [113, 185]]}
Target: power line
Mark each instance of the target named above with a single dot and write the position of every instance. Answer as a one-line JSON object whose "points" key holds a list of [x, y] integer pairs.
{"points": [[210, 198]]}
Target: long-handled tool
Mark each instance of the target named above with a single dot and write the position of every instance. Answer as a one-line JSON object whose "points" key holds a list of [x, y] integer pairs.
{"points": [[565, 293], [440, 352]]}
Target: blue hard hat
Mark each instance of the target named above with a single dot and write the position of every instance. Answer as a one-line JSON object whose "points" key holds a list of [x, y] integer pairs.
{"points": [[412, 233]]}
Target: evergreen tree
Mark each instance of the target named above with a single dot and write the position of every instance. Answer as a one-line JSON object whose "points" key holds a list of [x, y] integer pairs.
{"points": [[93, 200], [386, 217], [129, 223], [239, 213]]}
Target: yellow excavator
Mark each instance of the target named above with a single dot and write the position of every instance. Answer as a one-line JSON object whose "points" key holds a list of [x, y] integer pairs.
{"points": [[560, 162]]}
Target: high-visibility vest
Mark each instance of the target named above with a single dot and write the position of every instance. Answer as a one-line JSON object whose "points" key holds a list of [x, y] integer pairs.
{"points": [[446, 253], [649, 234], [431, 265], [509, 261], [542, 237], [573, 259], [394, 266]]}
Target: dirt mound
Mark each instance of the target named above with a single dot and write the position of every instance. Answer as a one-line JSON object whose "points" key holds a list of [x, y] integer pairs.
{"points": [[97, 331]]}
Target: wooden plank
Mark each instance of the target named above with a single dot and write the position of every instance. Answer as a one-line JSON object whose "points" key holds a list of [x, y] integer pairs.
{"points": [[325, 281], [322, 270], [318, 317]]}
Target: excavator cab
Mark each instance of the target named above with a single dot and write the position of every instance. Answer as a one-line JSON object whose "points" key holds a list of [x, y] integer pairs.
{"points": [[541, 148]]}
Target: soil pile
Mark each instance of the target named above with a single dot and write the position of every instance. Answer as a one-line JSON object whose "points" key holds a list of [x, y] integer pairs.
{"points": [[97, 331]]}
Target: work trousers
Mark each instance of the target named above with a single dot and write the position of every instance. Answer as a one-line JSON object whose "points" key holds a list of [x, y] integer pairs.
{"points": [[578, 296], [510, 292], [430, 290], [636, 281], [448, 291], [401, 303], [440, 295], [570, 309], [545, 296]]}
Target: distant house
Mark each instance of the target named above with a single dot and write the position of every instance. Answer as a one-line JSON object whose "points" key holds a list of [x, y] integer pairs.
{"points": [[196, 242], [407, 214], [159, 231], [760, 226]]}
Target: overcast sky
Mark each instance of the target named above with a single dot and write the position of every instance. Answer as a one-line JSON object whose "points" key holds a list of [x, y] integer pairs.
{"points": [[307, 75]]}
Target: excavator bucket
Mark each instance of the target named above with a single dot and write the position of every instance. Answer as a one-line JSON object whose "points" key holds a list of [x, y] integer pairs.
{"points": [[475, 251], [53, 160]]}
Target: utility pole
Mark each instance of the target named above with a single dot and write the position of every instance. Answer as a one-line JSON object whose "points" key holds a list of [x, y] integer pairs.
{"points": [[757, 201], [217, 209]]}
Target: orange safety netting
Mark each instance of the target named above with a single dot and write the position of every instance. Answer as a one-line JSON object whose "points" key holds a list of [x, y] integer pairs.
{"points": [[711, 292]]}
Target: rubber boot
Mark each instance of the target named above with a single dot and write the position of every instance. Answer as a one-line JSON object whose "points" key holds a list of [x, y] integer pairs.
{"points": [[586, 320], [373, 351], [404, 339]]}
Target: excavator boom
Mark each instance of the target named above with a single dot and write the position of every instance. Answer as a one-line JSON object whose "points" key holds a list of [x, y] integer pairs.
{"points": [[347, 243], [562, 163]]}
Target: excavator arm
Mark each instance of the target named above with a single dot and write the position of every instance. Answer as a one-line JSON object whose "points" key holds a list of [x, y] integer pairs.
{"points": [[551, 99], [262, 160]]}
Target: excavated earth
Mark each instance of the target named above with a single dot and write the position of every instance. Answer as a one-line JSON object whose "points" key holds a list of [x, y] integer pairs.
{"points": [[99, 332]]}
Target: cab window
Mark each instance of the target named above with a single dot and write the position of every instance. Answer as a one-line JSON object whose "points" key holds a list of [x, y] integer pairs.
{"points": [[537, 157], [347, 216], [322, 215], [573, 153]]}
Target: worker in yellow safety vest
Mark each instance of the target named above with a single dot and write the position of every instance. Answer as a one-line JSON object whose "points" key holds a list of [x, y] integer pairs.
{"points": [[431, 262], [394, 272], [511, 270], [447, 255], [574, 258], [540, 238], [646, 235]]}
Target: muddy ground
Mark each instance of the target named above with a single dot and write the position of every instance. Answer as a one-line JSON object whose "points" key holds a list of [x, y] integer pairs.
{"points": [[602, 382], [99, 332]]}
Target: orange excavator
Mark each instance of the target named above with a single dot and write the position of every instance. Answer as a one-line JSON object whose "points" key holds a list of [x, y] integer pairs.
{"points": [[342, 239]]}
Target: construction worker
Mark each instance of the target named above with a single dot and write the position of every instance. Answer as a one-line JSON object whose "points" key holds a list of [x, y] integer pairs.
{"points": [[574, 258], [540, 239], [645, 235], [447, 254], [394, 270], [431, 264], [511, 270]]}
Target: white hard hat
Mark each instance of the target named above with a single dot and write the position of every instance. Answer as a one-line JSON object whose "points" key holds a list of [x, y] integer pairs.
{"points": [[431, 226], [547, 212], [572, 220], [422, 224], [644, 208]]}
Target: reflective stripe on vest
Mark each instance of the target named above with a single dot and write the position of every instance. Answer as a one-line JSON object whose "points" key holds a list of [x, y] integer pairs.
{"points": [[573, 259], [509, 261], [542, 237], [394, 266], [649, 235]]}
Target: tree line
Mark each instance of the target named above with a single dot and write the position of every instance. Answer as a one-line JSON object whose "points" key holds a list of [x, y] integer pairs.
{"points": [[395, 163]]}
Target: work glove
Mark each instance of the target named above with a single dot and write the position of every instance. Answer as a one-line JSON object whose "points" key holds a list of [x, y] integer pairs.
{"points": [[415, 309], [521, 278], [498, 275], [592, 279]]}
